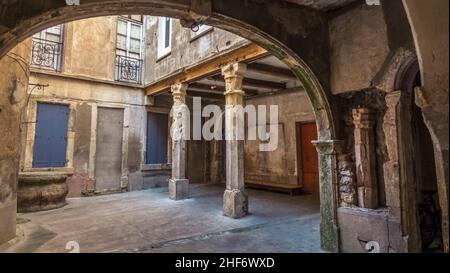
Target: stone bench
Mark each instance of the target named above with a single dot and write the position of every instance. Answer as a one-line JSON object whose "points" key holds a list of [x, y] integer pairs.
{"points": [[38, 191]]}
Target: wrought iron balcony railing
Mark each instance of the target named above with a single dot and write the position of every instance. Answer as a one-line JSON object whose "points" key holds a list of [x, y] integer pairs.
{"points": [[128, 69], [46, 54]]}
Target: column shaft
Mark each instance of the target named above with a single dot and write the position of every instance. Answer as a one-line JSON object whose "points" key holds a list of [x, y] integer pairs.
{"points": [[329, 193], [178, 184], [235, 198]]}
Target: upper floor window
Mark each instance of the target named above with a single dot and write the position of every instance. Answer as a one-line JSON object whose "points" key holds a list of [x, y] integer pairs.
{"points": [[164, 36], [129, 49], [47, 47]]}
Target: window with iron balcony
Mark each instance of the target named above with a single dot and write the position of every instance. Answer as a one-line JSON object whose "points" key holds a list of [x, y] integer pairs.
{"points": [[47, 49], [129, 61]]}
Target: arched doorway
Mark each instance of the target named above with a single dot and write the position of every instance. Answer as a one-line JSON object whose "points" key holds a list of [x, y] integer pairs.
{"points": [[418, 169], [309, 68]]}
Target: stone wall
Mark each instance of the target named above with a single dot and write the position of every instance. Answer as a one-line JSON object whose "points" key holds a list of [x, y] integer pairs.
{"points": [[90, 47], [186, 50], [13, 87], [429, 21], [279, 166], [358, 48], [84, 98]]}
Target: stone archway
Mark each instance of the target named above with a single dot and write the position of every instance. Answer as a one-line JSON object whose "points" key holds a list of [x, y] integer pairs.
{"points": [[296, 35], [429, 25]]}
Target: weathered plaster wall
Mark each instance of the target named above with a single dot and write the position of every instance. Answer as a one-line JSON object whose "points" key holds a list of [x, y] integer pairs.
{"points": [[185, 50], [13, 86], [205, 159], [371, 49], [279, 166], [84, 97], [90, 47], [358, 48]]}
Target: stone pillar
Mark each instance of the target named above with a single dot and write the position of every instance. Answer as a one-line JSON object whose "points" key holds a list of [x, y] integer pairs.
{"points": [[329, 193], [364, 120], [13, 97], [178, 184], [391, 168], [235, 200]]}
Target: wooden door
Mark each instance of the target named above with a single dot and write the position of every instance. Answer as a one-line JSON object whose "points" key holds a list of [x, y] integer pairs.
{"points": [[307, 158], [108, 161]]}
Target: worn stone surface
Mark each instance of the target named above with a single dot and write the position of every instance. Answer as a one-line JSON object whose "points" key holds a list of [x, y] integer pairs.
{"points": [[347, 182], [178, 189], [235, 200], [280, 165], [235, 203], [364, 120], [13, 87], [391, 167], [359, 227], [429, 23], [41, 191], [178, 184], [355, 64], [138, 222], [328, 177]]}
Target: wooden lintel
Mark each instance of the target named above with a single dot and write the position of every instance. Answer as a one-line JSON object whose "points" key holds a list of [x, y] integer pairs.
{"points": [[207, 67]]}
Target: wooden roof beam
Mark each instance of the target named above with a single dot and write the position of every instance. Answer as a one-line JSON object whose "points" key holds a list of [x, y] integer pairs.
{"points": [[207, 67], [273, 71]]}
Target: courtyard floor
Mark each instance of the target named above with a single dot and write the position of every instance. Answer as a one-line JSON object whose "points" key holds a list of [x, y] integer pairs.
{"points": [[148, 221]]}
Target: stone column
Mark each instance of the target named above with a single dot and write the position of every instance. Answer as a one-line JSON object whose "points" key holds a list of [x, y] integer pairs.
{"points": [[364, 120], [178, 184], [391, 168], [235, 200], [329, 193]]}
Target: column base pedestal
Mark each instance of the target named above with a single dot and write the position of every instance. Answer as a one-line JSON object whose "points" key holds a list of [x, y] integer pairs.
{"points": [[179, 189], [235, 203]]}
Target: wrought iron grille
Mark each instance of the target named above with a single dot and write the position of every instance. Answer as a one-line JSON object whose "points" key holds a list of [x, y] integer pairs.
{"points": [[128, 69], [46, 54]]}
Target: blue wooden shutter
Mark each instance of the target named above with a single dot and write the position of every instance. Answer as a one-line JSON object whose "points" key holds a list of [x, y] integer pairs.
{"points": [[50, 143], [157, 133]]}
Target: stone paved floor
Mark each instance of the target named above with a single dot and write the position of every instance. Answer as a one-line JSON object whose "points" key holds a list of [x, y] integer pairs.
{"points": [[147, 221]]}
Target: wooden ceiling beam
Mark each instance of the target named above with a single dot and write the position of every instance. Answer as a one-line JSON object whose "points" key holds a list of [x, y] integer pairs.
{"points": [[207, 67], [273, 71]]}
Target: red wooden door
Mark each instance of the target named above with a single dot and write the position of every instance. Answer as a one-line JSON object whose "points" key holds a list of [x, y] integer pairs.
{"points": [[308, 161]]}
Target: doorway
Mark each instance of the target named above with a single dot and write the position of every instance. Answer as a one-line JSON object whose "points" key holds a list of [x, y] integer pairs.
{"points": [[307, 158], [430, 221], [108, 158]]}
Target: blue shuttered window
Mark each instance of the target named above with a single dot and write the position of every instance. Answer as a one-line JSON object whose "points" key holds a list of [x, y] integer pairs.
{"points": [[157, 133], [50, 142]]}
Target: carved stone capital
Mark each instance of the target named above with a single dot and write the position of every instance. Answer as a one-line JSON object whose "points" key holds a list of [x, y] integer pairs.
{"points": [[179, 92], [392, 99], [234, 76], [328, 147]]}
